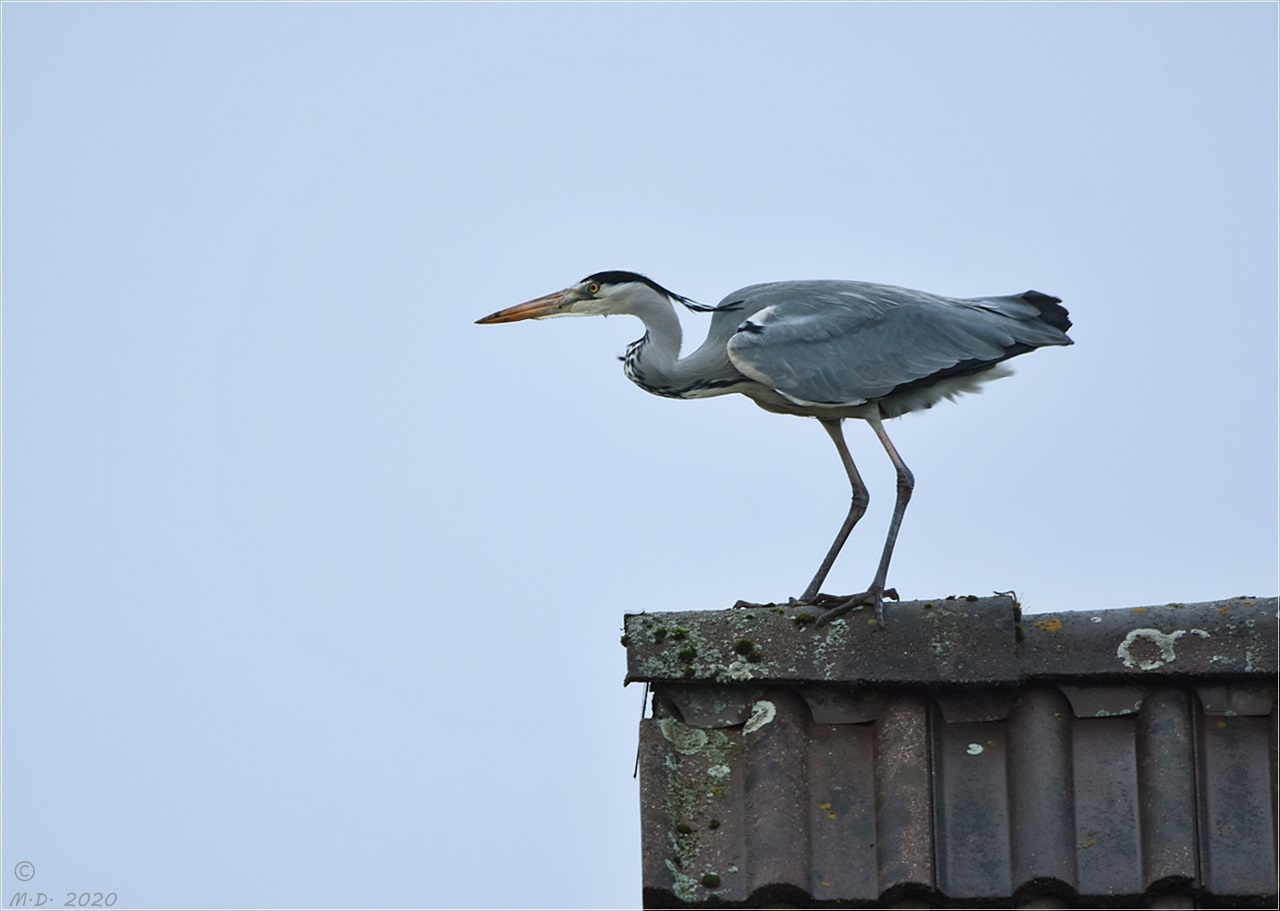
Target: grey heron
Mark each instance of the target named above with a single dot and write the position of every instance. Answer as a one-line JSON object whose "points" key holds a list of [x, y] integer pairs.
{"points": [[824, 349]]}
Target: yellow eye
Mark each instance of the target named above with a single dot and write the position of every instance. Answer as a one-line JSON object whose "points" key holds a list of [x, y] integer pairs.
{"points": [[593, 288]]}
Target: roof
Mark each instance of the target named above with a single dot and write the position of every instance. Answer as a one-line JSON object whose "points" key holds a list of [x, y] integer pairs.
{"points": [[962, 755]]}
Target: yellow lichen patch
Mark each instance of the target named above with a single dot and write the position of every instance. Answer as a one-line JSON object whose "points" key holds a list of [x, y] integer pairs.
{"points": [[1139, 610], [1052, 625]]}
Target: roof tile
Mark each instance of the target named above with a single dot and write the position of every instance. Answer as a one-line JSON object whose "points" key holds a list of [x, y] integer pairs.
{"points": [[785, 765]]}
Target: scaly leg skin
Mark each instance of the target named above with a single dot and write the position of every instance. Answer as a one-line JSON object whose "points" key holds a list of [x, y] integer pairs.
{"points": [[877, 592], [857, 508], [871, 596], [838, 606], [740, 604], [822, 599]]}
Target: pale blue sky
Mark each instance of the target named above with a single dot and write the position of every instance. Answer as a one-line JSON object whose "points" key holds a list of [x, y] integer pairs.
{"points": [[312, 588]]}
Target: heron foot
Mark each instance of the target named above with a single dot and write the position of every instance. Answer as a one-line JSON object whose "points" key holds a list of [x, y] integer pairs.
{"points": [[821, 599], [874, 596]]}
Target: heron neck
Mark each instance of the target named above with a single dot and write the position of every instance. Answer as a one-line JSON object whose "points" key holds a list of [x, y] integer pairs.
{"points": [[660, 348], [654, 364]]}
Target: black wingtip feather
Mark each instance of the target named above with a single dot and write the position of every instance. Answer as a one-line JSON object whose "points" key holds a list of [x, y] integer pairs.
{"points": [[1050, 311]]}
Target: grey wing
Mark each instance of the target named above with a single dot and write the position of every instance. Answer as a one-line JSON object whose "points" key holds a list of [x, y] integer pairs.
{"points": [[847, 343]]}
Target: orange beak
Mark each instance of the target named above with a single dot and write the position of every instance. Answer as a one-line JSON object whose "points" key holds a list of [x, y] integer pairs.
{"points": [[538, 308]]}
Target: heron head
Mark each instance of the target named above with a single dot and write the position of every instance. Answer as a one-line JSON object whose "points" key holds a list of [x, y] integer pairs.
{"points": [[596, 295]]}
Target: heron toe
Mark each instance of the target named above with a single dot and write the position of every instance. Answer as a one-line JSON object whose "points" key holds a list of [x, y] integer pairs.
{"points": [[873, 596]]}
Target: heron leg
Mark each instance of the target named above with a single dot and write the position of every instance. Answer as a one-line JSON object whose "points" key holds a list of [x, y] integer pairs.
{"points": [[877, 592], [856, 509]]}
